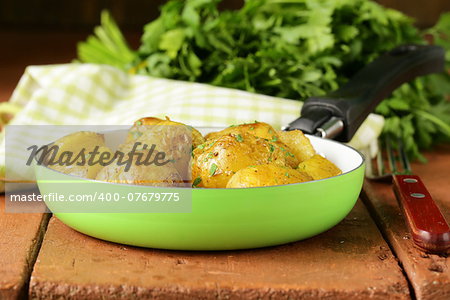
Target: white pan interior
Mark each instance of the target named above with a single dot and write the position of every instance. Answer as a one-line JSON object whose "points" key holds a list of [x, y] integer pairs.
{"points": [[343, 156]]}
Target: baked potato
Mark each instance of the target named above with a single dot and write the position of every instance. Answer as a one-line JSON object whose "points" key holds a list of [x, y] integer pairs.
{"points": [[79, 144], [318, 167], [266, 175], [298, 143], [215, 161], [259, 129], [144, 125], [246, 155], [175, 141]]}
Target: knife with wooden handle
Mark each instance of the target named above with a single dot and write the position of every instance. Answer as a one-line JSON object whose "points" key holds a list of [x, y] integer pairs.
{"points": [[430, 231]]}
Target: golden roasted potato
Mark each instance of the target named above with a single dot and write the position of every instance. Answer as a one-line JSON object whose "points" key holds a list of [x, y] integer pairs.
{"points": [[259, 129], [246, 155], [79, 144], [318, 167], [215, 161], [79, 140], [152, 175], [266, 175], [174, 141], [144, 125], [298, 143]]}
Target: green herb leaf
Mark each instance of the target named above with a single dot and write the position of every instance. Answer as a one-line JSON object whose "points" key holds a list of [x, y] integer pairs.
{"points": [[239, 138], [196, 182], [213, 169], [289, 154], [210, 155], [289, 49]]}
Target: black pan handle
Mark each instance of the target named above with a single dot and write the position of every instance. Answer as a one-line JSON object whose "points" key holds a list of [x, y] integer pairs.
{"points": [[353, 102]]}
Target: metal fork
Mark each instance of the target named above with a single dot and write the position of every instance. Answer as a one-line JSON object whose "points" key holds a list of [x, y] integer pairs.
{"points": [[428, 227]]}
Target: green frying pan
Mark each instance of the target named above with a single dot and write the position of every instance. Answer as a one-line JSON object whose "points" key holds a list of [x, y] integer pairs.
{"points": [[223, 219]]}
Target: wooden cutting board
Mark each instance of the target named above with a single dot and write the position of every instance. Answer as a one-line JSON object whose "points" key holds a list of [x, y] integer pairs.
{"points": [[429, 274], [20, 238], [350, 261]]}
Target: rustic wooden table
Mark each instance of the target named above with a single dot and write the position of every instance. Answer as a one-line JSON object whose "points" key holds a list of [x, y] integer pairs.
{"points": [[368, 255]]}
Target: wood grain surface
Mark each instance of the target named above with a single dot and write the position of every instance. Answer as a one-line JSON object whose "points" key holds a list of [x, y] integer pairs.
{"points": [[429, 274], [349, 261], [20, 238], [22, 48]]}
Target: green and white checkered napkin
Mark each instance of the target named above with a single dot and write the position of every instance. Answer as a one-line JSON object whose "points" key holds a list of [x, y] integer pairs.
{"points": [[86, 94]]}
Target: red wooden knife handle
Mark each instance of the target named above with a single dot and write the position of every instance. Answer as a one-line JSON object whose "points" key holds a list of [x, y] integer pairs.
{"points": [[428, 227]]}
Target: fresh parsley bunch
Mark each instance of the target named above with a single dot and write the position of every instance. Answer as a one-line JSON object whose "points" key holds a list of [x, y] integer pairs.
{"points": [[286, 48]]}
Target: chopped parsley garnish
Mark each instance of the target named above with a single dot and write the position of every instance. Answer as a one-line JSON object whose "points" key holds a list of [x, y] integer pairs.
{"points": [[274, 138], [212, 170], [239, 138], [201, 146], [271, 148], [139, 123], [287, 174], [210, 155], [196, 182]]}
